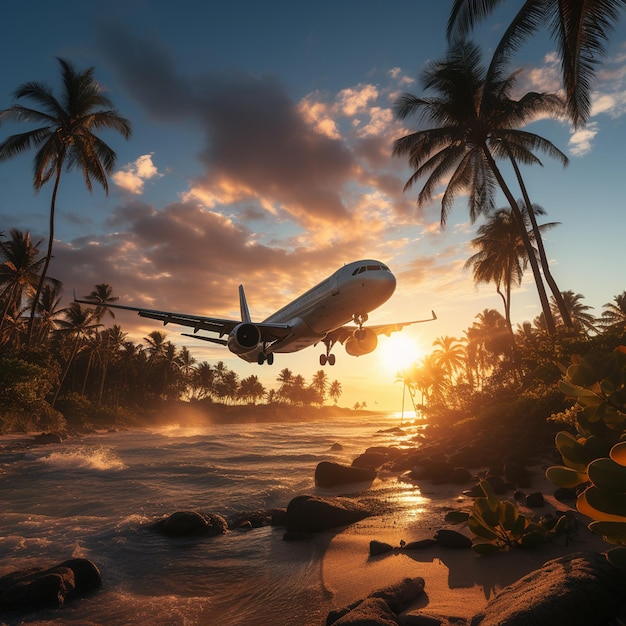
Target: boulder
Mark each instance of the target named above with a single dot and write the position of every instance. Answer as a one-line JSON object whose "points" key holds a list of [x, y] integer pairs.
{"points": [[191, 523], [329, 474], [314, 513], [370, 460], [579, 589], [53, 587], [381, 607]]}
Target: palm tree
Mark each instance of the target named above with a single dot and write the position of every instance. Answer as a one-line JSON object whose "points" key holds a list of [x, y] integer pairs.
{"points": [[580, 29], [65, 138], [502, 256], [583, 321], [80, 323], [449, 354], [102, 295], [335, 391], [320, 384], [614, 314], [473, 121], [19, 271], [49, 310]]}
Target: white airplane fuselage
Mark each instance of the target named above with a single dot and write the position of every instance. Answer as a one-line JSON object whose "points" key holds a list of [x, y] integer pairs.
{"points": [[350, 293]]}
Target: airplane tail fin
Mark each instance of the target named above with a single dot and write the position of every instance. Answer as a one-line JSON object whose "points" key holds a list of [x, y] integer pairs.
{"points": [[243, 305]]}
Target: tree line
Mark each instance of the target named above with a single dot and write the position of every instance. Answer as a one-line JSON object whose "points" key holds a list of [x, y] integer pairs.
{"points": [[76, 359]]}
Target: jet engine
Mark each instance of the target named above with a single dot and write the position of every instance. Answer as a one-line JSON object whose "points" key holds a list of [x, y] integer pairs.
{"points": [[244, 338], [363, 341]]}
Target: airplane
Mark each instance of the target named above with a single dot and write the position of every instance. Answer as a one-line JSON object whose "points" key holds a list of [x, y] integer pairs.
{"points": [[321, 314]]}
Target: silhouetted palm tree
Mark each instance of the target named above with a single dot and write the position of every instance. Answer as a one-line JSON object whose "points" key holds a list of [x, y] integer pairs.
{"points": [[614, 314], [65, 138], [583, 321], [20, 267], [472, 122], [579, 28], [335, 391], [450, 354], [502, 256], [102, 295]]}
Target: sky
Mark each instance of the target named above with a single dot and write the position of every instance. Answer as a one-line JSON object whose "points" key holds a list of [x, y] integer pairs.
{"points": [[261, 155]]}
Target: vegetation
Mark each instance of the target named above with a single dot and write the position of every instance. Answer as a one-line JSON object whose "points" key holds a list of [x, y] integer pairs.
{"points": [[595, 456], [66, 139]]}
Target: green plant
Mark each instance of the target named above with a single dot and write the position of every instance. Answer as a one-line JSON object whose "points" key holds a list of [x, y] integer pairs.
{"points": [[596, 458], [498, 525]]}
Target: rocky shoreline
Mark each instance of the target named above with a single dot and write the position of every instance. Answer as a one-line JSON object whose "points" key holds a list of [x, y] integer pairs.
{"points": [[580, 587]]}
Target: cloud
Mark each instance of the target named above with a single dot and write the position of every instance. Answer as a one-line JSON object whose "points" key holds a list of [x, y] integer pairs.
{"points": [[581, 141], [133, 176]]}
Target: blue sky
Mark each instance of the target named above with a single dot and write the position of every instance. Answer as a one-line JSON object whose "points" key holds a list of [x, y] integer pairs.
{"points": [[261, 154]]}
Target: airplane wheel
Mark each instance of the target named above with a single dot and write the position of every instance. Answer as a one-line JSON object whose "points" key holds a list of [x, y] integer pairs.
{"points": [[331, 359], [322, 360], [270, 358], [261, 358]]}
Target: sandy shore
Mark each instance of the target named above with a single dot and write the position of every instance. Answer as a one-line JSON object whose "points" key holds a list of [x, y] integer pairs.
{"points": [[459, 583]]}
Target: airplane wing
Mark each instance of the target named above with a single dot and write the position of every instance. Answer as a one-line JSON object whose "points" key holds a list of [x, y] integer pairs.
{"points": [[269, 332], [339, 335]]}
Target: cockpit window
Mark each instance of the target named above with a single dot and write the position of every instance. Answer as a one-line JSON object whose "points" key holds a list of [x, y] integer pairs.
{"points": [[370, 268]]}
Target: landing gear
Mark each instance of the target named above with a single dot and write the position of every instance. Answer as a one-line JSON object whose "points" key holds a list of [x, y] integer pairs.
{"points": [[359, 319], [265, 358], [328, 357]]}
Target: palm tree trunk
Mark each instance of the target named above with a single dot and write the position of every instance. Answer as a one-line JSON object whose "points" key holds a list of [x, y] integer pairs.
{"points": [[556, 292], [44, 271], [541, 290]]}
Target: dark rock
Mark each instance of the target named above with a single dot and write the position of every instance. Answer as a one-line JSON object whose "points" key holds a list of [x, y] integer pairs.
{"points": [[370, 460], [86, 574], [517, 474], [565, 494], [579, 589], [460, 476], [421, 619], [37, 587], [47, 438], [520, 496], [452, 539], [497, 483], [279, 517], [329, 474], [191, 523], [475, 492], [314, 513], [370, 612], [379, 547], [336, 447], [421, 544], [535, 500], [380, 607]]}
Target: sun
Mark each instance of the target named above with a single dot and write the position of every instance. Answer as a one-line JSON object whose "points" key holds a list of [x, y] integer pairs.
{"points": [[399, 352]]}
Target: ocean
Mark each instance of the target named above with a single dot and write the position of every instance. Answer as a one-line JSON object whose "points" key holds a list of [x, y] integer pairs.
{"points": [[95, 496]]}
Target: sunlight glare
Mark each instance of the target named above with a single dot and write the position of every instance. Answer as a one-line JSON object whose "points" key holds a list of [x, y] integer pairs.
{"points": [[399, 352]]}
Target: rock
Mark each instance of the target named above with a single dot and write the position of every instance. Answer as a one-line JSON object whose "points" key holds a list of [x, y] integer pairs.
{"points": [[370, 612], [516, 473], [314, 513], [460, 476], [191, 523], [52, 587], [370, 460], [497, 483], [336, 447], [421, 544], [400, 595], [452, 539], [565, 494], [47, 438], [578, 589], [379, 547], [534, 500], [329, 474]]}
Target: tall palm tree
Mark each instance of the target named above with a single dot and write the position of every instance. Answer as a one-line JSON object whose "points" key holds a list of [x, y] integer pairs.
{"points": [[580, 28], [614, 314], [81, 323], [502, 256], [49, 311], [20, 267], [472, 121], [320, 384], [65, 138]]}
